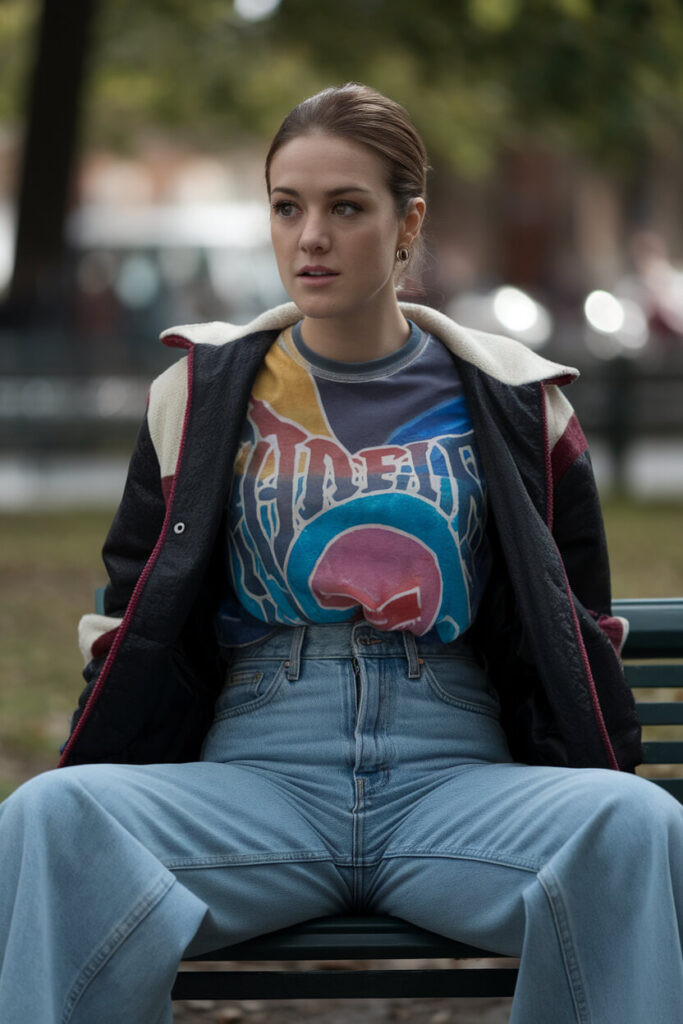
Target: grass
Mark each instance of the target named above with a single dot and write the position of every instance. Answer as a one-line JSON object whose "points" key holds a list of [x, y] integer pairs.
{"points": [[50, 565], [646, 553]]}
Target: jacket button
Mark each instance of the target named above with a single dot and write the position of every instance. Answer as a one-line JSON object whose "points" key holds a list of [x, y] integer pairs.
{"points": [[179, 528]]}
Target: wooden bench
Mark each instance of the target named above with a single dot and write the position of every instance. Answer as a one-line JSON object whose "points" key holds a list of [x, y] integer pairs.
{"points": [[654, 666]]}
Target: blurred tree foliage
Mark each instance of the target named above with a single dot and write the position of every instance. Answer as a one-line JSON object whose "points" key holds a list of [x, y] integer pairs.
{"points": [[17, 25], [600, 77]]}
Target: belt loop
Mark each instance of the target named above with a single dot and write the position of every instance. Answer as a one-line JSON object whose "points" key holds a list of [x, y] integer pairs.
{"points": [[294, 663], [410, 646]]}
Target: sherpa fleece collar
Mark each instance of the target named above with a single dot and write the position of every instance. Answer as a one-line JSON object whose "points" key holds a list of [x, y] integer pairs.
{"points": [[506, 360]]}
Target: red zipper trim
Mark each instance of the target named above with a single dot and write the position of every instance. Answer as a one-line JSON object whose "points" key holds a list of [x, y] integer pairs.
{"points": [[144, 575], [595, 700], [548, 459]]}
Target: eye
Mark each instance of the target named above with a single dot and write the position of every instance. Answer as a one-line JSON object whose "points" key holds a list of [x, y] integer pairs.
{"points": [[344, 208], [284, 208]]}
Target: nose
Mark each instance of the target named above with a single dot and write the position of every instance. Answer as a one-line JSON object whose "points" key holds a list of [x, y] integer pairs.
{"points": [[314, 236]]}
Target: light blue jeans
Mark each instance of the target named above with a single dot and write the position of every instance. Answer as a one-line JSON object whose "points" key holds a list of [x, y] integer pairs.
{"points": [[346, 770]]}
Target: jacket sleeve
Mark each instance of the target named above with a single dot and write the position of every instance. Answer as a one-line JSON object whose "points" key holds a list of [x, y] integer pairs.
{"points": [[576, 518], [128, 546]]}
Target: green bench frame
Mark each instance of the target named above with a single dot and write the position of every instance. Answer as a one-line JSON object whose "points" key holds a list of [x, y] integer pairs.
{"points": [[654, 662]]}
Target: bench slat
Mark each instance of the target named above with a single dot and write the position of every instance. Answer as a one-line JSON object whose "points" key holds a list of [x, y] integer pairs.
{"points": [[656, 625], [673, 786], [654, 676], [360, 984], [362, 936], [663, 751], [660, 712]]}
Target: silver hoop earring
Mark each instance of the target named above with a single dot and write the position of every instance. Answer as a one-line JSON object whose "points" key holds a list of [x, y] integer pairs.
{"points": [[402, 255]]}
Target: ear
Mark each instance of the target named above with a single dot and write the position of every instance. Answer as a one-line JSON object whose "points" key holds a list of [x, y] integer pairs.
{"points": [[411, 224]]}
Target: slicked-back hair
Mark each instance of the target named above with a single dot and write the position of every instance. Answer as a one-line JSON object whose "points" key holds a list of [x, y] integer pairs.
{"points": [[363, 115]]}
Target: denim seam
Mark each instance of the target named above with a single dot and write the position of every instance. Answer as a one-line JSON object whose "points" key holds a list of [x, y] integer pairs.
{"points": [[114, 940], [294, 664], [460, 702], [428, 656], [384, 744], [312, 656], [246, 859], [571, 961], [467, 853], [464, 705]]}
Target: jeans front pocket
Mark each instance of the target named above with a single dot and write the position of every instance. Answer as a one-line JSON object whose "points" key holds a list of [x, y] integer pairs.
{"points": [[248, 686], [462, 682]]}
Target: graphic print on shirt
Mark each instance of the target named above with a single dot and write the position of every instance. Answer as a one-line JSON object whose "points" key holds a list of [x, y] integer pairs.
{"points": [[390, 531]]}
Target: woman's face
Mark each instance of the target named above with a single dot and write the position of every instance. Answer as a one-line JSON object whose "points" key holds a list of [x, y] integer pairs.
{"points": [[334, 226]]}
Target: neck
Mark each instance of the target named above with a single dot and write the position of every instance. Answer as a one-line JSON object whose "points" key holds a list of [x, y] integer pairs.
{"points": [[356, 337]]}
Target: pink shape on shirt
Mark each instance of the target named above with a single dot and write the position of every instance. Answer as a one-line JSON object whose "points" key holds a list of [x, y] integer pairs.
{"points": [[394, 577]]}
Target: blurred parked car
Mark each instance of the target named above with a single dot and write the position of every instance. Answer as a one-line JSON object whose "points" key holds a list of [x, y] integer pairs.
{"points": [[136, 270], [504, 310]]}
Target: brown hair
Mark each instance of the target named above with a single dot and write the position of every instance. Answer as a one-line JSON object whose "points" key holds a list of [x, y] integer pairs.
{"points": [[363, 115]]}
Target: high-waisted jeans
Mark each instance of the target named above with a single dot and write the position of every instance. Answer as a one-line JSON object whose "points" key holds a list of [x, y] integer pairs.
{"points": [[346, 770]]}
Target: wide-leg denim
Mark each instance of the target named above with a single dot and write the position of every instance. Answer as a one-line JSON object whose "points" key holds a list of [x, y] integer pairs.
{"points": [[346, 770]]}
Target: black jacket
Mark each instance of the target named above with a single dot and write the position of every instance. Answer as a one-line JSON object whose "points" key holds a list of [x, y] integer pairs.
{"points": [[154, 668]]}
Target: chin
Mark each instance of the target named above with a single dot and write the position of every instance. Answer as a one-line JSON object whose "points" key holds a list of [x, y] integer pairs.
{"points": [[321, 308]]}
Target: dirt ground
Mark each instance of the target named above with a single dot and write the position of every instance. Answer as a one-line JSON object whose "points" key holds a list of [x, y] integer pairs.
{"points": [[355, 1011], [495, 1011]]}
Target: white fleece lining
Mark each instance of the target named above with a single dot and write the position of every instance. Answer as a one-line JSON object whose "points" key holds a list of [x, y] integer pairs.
{"points": [[90, 628], [626, 626], [559, 411], [503, 358], [166, 415]]}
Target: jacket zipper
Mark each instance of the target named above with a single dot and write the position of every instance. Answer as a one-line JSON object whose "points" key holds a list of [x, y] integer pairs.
{"points": [[141, 582]]}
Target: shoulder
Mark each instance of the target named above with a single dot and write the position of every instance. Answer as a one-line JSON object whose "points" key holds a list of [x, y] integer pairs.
{"points": [[218, 332], [168, 396], [171, 387], [502, 358], [171, 391]]}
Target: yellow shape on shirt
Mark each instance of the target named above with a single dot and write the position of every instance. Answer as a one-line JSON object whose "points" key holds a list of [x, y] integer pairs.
{"points": [[285, 383]]}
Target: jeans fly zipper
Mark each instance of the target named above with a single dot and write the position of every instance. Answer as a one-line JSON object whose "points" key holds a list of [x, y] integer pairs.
{"points": [[356, 676]]}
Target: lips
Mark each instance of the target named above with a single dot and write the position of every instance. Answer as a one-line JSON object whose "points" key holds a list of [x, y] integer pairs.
{"points": [[316, 272]]}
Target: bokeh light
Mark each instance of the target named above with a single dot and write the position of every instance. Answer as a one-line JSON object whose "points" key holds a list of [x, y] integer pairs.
{"points": [[256, 10]]}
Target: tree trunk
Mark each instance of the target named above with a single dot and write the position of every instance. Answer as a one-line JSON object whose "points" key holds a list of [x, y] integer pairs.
{"points": [[54, 105]]}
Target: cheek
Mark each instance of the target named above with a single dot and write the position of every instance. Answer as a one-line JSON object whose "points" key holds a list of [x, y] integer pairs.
{"points": [[386, 259], [278, 240], [377, 248]]}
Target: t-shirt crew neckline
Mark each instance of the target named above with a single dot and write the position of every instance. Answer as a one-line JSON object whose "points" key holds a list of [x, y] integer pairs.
{"points": [[371, 369]]}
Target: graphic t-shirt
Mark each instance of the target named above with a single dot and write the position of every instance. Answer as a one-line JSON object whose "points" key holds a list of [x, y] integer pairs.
{"points": [[357, 493]]}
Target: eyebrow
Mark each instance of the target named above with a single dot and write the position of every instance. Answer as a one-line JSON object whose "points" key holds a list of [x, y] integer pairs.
{"points": [[330, 193]]}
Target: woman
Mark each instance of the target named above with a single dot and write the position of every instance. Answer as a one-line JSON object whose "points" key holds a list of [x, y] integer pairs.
{"points": [[357, 642]]}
